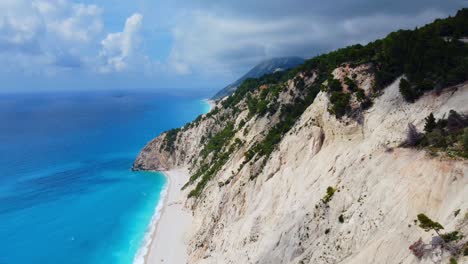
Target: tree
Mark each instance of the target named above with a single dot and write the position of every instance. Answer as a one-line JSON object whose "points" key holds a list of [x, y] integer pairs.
{"points": [[334, 85], [340, 103], [406, 91], [428, 224], [360, 95], [352, 86], [430, 123]]}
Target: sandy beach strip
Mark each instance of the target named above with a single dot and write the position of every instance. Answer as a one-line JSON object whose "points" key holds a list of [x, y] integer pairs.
{"points": [[211, 103], [168, 243]]}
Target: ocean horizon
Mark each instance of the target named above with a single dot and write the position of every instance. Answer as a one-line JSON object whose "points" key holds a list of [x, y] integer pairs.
{"points": [[67, 192]]}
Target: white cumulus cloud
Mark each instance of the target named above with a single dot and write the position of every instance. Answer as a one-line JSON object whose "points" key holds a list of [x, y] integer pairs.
{"points": [[47, 35], [120, 50]]}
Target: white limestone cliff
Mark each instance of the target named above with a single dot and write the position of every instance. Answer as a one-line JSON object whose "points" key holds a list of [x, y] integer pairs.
{"points": [[278, 216]]}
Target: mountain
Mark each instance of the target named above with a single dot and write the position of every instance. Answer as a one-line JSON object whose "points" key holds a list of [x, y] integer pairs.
{"points": [[356, 156], [265, 67]]}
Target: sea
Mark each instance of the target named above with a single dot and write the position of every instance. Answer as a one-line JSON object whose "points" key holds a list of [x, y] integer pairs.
{"points": [[67, 191]]}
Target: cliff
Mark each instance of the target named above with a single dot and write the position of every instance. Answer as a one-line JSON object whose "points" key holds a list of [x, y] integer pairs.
{"points": [[307, 168]]}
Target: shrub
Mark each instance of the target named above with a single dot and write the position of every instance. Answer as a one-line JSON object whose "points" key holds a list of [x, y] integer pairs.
{"points": [[341, 219], [360, 95], [330, 192], [407, 91], [334, 85], [340, 103], [427, 224], [169, 140], [216, 143], [424, 86], [352, 86], [452, 236], [430, 123], [444, 134], [436, 138]]}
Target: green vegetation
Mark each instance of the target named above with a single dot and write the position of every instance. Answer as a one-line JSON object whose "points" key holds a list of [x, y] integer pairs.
{"points": [[427, 224], [169, 140], [451, 242], [340, 103], [452, 236], [341, 219], [217, 142], [330, 192], [250, 85], [430, 123], [406, 91], [448, 135], [216, 145], [352, 86], [334, 85], [289, 115], [431, 57]]}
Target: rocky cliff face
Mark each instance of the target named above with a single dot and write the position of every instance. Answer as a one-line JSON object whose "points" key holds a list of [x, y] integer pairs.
{"points": [[252, 207]]}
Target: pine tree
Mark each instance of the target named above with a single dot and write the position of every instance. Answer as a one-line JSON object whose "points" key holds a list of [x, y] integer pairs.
{"points": [[430, 123], [427, 224]]}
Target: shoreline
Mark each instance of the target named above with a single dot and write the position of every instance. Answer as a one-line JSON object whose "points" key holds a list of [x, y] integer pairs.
{"points": [[211, 103], [172, 222]]}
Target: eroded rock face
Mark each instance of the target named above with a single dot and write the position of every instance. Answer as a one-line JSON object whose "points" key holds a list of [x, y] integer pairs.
{"points": [[278, 216], [152, 158]]}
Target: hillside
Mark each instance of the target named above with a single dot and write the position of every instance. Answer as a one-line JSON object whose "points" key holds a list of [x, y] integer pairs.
{"points": [[335, 160], [265, 67]]}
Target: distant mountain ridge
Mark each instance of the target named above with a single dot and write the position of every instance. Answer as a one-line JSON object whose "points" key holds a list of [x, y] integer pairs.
{"points": [[265, 67]]}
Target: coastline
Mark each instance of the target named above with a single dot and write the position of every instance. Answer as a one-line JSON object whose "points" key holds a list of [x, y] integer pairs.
{"points": [[211, 103], [167, 243]]}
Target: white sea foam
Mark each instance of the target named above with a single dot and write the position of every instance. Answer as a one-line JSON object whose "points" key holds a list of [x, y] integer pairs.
{"points": [[146, 243]]}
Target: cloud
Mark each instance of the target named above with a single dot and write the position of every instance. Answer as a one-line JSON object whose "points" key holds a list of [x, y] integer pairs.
{"points": [[209, 40], [222, 37], [41, 35], [120, 49], [74, 23]]}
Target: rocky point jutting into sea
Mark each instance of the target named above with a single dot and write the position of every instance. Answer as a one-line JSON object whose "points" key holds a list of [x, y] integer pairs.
{"points": [[340, 160]]}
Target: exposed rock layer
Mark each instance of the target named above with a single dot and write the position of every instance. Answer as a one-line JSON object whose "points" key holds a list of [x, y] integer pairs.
{"points": [[278, 216]]}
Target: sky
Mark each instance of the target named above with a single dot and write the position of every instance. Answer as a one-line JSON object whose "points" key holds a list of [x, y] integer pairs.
{"points": [[182, 46]]}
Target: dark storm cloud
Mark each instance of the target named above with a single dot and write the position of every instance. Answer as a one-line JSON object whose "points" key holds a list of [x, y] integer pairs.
{"points": [[331, 8], [216, 34]]}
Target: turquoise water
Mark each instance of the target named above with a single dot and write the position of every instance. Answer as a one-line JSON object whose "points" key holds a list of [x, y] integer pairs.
{"points": [[67, 194]]}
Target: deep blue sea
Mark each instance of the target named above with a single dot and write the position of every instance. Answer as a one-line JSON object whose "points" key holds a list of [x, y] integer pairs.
{"points": [[67, 192]]}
